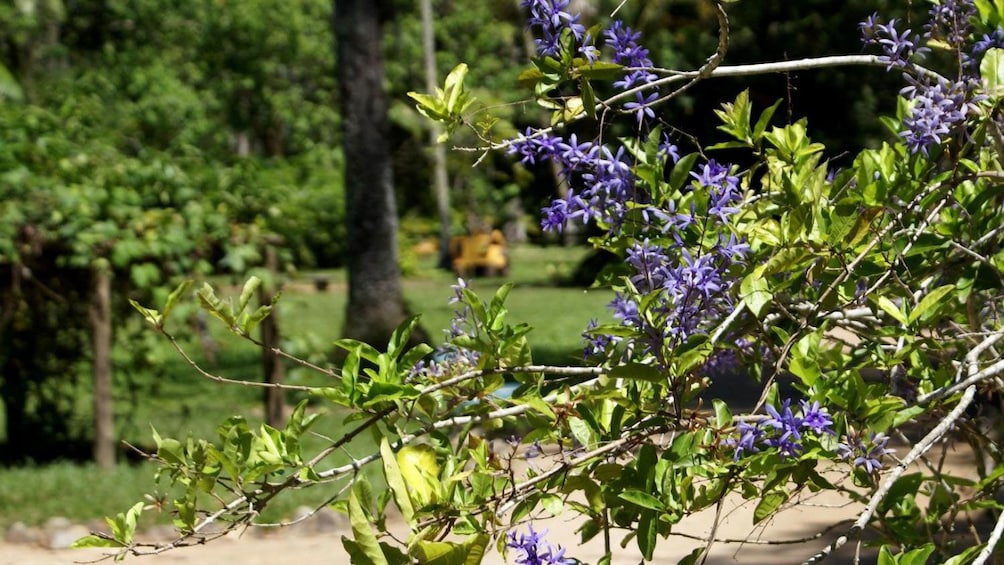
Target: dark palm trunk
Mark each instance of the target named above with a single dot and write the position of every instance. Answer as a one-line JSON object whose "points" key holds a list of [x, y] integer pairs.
{"points": [[375, 306]]}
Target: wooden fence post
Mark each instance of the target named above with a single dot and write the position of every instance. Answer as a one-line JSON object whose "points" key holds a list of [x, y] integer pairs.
{"points": [[101, 332]]}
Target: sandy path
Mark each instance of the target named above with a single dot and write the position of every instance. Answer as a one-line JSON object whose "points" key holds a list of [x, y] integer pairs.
{"points": [[805, 521], [317, 549]]}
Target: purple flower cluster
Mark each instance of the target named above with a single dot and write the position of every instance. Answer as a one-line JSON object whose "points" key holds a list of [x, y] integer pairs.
{"points": [[898, 47], [782, 430], [560, 30], [866, 455], [628, 52], [679, 262], [985, 43], [597, 344], [724, 363], [685, 290], [950, 21], [939, 107], [536, 551], [603, 180], [447, 361], [551, 18]]}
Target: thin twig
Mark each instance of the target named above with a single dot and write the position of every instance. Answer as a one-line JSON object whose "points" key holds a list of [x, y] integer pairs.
{"points": [[995, 537]]}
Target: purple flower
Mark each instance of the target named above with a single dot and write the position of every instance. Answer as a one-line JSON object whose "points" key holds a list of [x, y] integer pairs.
{"points": [[458, 290], [572, 152], [448, 360], [624, 41], [625, 309], [949, 20], [987, 42], [649, 263], [867, 456], [784, 420], [598, 344], [535, 550], [525, 147], [555, 216], [667, 148], [551, 18], [641, 108], [531, 145], [897, 46], [782, 429], [936, 110], [815, 418], [589, 51], [749, 436], [734, 250]]}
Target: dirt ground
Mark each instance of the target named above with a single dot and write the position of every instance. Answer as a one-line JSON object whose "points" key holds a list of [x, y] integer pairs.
{"points": [[806, 521], [802, 529]]}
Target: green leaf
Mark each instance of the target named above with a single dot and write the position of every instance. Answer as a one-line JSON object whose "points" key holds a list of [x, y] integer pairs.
{"points": [[151, 315], [992, 71], [176, 294], [247, 293], [420, 471], [648, 527], [396, 481], [917, 556], [692, 557], [681, 172], [553, 504], [889, 307], [885, 556], [638, 371], [455, 88], [439, 552], [904, 487], [368, 548], [588, 99], [123, 526], [723, 416], [477, 546], [538, 404], [755, 293], [931, 300], [528, 78], [94, 541], [582, 432], [211, 303], [735, 118], [642, 499], [399, 338], [768, 505], [429, 106], [250, 322], [170, 450], [965, 557], [601, 70], [804, 363], [764, 121]]}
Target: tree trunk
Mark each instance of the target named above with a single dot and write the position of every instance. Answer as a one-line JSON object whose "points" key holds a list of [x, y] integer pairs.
{"points": [[101, 331], [440, 180], [375, 305], [275, 371]]}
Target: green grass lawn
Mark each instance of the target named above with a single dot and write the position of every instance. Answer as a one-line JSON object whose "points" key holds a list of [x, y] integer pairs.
{"points": [[310, 321]]}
